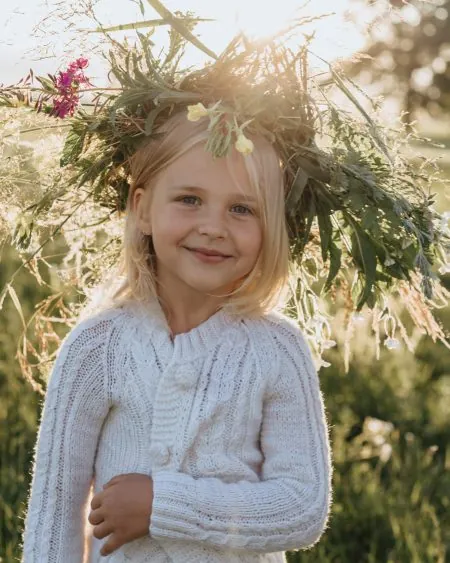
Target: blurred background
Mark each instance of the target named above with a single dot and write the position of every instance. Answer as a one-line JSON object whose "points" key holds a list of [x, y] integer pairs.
{"points": [[388, 416]]}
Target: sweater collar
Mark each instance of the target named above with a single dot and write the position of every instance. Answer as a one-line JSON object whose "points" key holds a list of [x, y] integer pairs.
{"points": [[191, 344]]}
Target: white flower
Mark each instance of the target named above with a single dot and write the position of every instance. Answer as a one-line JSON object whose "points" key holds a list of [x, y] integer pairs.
{"points": [[357, 317], [385, 452], [392, 343], [378, 440], [196, 112], [328, 344], [377, 426], [244, 145], [374, 425]]}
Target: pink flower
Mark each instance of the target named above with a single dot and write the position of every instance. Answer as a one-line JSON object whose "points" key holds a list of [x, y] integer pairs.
{"points": [[64, 81], [64, 106], [68, 84], [79, 64]]}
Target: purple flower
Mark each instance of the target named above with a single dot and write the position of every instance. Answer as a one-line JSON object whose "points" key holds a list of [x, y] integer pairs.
{"points": [[64, 106], [78, 64], [68, 84]]}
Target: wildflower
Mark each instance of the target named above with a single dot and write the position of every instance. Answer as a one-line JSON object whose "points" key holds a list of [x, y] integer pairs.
{"points": [[79, 64], [196, 112], [385, 452], [357, 317], [67, 84], [378, 440], [244, 145], [375, 425], [392, 343], [64, 106]]}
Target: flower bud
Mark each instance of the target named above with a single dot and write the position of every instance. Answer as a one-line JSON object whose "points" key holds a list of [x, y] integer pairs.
{"points": [[196, 112], [244, 145]]}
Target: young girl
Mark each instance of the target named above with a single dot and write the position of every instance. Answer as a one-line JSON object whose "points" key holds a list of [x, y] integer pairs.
{"points": [[189, 403]]}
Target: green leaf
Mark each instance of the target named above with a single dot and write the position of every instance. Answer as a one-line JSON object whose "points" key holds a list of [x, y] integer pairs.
{"points": [[47, 84], [369, 218], [364, 255], [73, 146], [142, 25], [296, 191], [309, 222], [335, 264], [326, 232]]}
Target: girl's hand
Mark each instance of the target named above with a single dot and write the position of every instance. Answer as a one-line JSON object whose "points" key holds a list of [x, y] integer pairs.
{"points": [[123, 509]]}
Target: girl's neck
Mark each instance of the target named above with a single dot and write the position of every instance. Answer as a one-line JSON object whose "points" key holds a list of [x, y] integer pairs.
{"points": [[184, 315]]}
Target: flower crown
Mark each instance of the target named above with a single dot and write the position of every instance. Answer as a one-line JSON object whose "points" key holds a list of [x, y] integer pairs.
{"points": [[352, 199]]}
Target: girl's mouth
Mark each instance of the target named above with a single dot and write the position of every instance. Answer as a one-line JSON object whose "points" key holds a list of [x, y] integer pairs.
{"points": [[206, 257]]}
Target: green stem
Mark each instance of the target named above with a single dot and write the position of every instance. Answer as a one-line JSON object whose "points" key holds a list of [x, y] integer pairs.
{"points": [[37, 129], [177, 24], [143, 24]]}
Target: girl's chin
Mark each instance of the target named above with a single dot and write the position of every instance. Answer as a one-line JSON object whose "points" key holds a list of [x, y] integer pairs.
{"points": [[212, 289]]}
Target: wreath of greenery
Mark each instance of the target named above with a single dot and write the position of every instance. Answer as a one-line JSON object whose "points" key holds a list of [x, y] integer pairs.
{"points": [[353, 199]]}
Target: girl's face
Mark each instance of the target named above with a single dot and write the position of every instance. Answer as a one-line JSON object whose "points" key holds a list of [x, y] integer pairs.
{"points": [[195, 204]]}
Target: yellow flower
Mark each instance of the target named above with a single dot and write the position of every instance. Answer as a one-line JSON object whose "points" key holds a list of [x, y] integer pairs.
{"points": [[243, 145], [196, 112]]}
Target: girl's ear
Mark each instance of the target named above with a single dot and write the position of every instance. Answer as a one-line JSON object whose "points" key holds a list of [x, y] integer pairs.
{"points": [[141, 206]]}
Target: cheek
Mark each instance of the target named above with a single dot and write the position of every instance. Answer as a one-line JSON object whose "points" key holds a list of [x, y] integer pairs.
{"points": [[251, 240], [170, 226]]}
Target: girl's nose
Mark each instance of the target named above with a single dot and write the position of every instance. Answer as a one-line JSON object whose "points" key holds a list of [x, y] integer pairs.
{"points": [[213, 226]]}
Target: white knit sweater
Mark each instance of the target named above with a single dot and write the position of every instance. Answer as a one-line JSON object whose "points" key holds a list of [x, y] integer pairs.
{"points": [[227, 418]]}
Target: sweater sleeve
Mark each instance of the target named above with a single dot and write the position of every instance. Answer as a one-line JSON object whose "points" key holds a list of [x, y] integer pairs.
{"points": [[289, 507], [74, 409]]}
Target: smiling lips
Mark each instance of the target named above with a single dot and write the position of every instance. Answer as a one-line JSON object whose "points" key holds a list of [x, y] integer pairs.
{"points": [[208, 255]]}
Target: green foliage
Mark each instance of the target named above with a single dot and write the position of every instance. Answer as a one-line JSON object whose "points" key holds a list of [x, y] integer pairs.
{"points": [[19, 411], [391, 455]]}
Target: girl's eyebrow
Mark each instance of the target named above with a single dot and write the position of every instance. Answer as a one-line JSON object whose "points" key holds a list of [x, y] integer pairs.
{"points": [[199, 189]]}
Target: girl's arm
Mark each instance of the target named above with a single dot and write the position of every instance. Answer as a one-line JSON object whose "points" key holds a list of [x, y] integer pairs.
{"points": [[75, 407], [289, 507]]}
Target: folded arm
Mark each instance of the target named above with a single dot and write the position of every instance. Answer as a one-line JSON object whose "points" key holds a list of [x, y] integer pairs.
{"points": [[289, 507]]}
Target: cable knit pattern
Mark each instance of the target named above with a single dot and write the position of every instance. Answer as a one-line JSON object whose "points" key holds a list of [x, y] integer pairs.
{"points": [[227, 418]]}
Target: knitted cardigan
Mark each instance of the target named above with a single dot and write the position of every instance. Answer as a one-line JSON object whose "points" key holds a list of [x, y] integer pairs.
{"points": [[228, 419]]}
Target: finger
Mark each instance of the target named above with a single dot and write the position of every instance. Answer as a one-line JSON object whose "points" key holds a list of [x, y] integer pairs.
{"points": [[113, 480], [113, 543], [102, 530], [96, 517], [96, 501]]}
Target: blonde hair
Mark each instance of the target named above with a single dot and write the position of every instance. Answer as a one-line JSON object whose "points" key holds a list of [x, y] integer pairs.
{"points": [[263, 288]]}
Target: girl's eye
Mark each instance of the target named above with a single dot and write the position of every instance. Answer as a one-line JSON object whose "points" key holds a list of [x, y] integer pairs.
{"points": [[189, 199], [246, 210]]}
